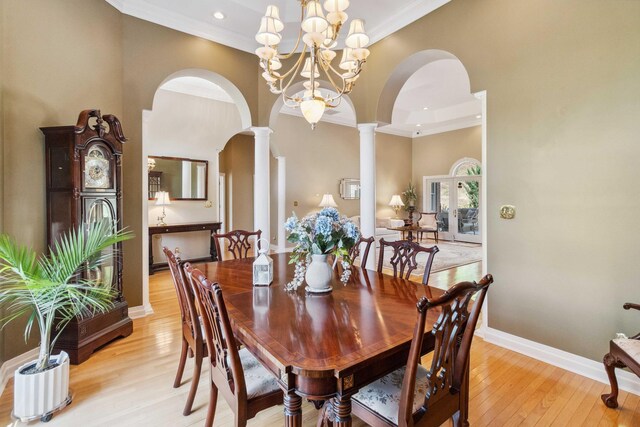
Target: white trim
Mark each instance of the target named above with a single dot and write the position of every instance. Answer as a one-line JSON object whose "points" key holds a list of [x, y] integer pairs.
{"points": [[627, 381], [140, 311], [388, 129], [245, 41], [482, 96], [426, 131], [326, 118], [454, 168], [8, 368]]}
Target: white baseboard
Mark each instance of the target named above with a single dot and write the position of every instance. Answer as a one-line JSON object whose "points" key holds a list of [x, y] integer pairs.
{"points": [[562, 359], [140, 311], [8, 368]]}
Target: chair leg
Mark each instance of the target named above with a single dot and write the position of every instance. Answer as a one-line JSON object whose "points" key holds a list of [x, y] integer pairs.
{"points": [[194, 383], [610, 364], [213, 401], [183, 360]]}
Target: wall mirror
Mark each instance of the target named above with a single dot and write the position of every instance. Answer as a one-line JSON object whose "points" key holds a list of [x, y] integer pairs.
{"points": [[350, 188], [182, 178]]}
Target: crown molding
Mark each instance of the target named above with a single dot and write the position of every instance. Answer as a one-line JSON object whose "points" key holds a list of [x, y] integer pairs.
{"points": [[404, 17], [447, 128], [336, 120], [394, 131], [161, 16], [245, 42]]}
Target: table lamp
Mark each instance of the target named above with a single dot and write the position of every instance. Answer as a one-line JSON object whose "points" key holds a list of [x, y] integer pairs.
{"points": [[162, 199], [328, 202], [396, 203]]}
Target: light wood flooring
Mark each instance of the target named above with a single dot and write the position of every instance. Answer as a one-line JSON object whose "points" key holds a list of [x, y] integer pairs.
{"points": [[129, 382]]}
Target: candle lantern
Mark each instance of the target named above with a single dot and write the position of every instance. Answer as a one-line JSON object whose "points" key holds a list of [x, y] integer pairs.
{"points": [[263, 266]]}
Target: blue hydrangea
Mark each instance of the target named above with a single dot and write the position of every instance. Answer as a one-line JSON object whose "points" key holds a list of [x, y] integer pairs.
{"points": [[351, 231], [330, 213], [291, 223], [324, 226]]}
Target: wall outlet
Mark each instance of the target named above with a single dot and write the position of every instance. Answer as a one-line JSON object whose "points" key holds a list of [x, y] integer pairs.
{"points": [[295, 203]]}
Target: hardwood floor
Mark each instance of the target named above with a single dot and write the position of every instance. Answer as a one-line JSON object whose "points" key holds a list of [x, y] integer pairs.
{"points": [[129, 382]]}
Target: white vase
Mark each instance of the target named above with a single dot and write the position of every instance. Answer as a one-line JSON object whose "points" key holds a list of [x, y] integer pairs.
{"points": [[319, 273], [38, 395]]}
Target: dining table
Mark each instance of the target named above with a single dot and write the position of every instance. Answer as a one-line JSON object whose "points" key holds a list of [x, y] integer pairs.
{"points": [[323, 347]]}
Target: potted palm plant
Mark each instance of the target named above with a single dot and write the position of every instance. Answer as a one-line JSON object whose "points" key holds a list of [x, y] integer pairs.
{"points": [[51, 290]]}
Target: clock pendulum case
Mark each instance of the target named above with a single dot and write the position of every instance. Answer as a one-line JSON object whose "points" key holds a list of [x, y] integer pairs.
{"points": [[84, 185]]}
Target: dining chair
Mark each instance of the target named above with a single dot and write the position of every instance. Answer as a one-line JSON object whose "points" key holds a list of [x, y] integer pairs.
{"points": [[356, 250], [416, 396], [623, 353], [245, 384], [193, 343], [403, 258], [239, 242]]}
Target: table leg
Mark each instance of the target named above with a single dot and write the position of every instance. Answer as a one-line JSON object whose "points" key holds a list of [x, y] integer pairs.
{"points": [[341, 411], [292, 409]]}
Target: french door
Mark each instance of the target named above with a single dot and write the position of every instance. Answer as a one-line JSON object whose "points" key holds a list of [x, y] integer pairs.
{"points": [[457, 202]]}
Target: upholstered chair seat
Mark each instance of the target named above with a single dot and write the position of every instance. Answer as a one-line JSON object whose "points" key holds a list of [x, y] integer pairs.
{"points": [[258, 380], [629, 346], [383, 396]]}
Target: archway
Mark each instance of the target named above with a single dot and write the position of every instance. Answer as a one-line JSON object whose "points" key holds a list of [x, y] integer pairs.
{"points": [[194, 113]]}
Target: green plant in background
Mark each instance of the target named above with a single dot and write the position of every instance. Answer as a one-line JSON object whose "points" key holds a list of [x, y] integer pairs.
{"points": [[52, 289], [473, 187], [409, 196]]}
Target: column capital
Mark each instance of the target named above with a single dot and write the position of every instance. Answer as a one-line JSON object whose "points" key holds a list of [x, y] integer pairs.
{"points": [[261, 131], [367, 127]]}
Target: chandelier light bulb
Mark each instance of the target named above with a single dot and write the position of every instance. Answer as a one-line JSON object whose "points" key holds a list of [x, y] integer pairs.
{"points": [[312, 110], [357, 37], [328, 55], [361, 53], [265, 52], [314, 21]]}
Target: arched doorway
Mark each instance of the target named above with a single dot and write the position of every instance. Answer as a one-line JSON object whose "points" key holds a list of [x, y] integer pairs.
{"points": [[194, 113]]}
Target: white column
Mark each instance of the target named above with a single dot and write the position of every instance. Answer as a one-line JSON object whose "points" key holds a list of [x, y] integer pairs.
{"points": [[282, 201], [368, 185], [261, 182]]}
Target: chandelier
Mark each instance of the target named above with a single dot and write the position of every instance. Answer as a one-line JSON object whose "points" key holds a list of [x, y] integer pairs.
{"points": [[318, 34]]}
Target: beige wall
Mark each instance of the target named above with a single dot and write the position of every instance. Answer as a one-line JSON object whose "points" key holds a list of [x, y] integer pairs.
{"points": [[393, 170], [562, 129], [59, 58], [316, 162], [435, 154], [237, 162]]}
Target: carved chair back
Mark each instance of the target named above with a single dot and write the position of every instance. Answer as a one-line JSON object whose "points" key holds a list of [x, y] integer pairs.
{"points": [[186, 299], [226, 368], [239, 242], [403, 258], [356, 250], [453, 332]]}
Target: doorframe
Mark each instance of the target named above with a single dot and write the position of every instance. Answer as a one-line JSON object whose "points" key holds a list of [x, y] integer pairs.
{"points": [[222, 205]]}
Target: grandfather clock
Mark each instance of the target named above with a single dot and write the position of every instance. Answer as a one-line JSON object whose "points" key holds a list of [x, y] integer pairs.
{"points": [[84, 185]]}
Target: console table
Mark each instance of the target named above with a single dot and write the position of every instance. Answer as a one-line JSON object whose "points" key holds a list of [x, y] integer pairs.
{"points": [[212, 227]]}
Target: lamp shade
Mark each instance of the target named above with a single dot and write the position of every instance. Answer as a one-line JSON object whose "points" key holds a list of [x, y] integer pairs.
{"points": [[357, 37], [274, 12], [347, 62], [312, 110], [328, 202], [162, 198], [396, 201], [268, 34], [314, 21], [306, 70], [336, 5]]}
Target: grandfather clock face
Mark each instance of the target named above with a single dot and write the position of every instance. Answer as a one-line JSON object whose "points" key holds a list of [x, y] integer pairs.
{"points": [[97, 168]]}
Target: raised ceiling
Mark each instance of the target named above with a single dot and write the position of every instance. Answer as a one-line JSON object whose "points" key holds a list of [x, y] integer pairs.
{"points": [[242, 17]]}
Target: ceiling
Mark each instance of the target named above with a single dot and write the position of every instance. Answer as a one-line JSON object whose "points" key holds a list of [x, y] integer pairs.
{"points": [[197, 86], [242, 17]]}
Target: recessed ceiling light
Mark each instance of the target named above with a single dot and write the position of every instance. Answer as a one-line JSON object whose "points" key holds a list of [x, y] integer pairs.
{"points": [[425, 108], [478, 116], [418, 125], [218, 15]]}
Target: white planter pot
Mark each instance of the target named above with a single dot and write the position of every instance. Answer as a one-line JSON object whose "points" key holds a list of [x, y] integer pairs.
{"points": [[319, 273], [36, 395]]}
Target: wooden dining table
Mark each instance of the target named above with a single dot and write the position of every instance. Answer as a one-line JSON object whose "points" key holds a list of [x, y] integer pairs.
{"points": [[322, 347]]}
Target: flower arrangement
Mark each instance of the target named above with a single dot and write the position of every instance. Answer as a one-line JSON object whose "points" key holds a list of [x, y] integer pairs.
{"points": [[410, 196], [322, 233]]}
